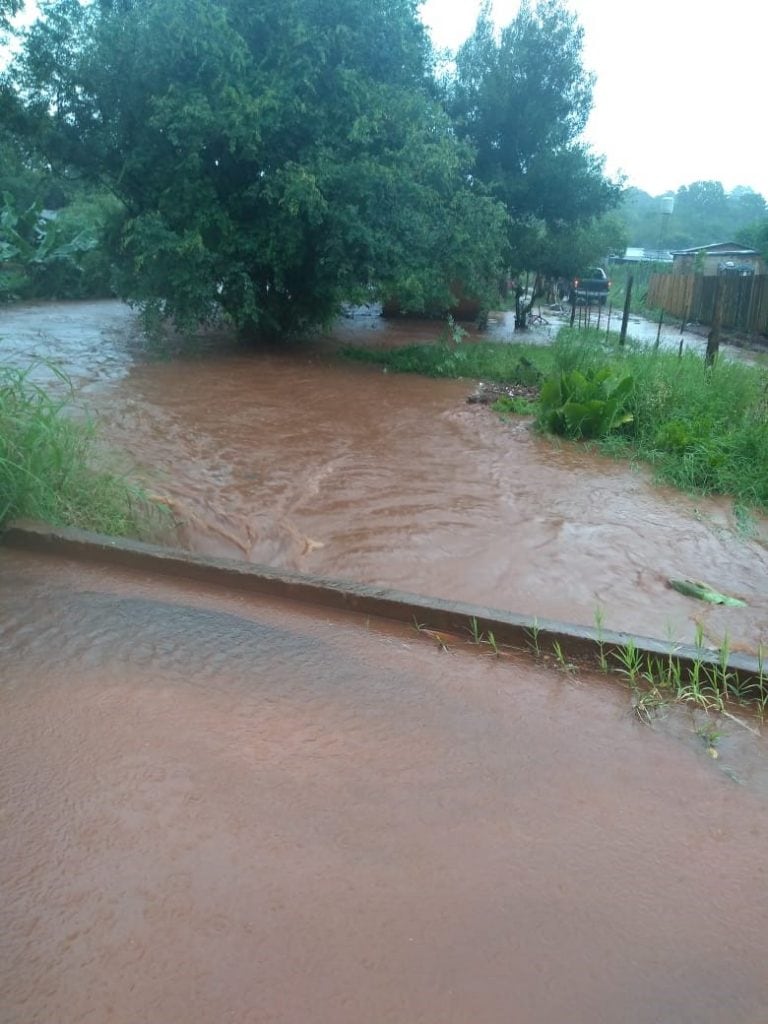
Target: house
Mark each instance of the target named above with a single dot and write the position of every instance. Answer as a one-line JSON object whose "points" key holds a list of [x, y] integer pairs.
{"points": [[730, 258], [634, 254]]}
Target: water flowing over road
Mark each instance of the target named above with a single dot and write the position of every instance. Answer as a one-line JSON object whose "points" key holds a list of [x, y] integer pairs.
{"points": [[294, 460], [220, 809]]}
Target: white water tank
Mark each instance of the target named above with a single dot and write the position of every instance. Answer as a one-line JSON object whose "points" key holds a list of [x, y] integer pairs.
{"points": [[667, 205]]}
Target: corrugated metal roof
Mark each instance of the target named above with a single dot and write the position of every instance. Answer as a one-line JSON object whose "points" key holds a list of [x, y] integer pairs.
{"points": [[732, 248]]}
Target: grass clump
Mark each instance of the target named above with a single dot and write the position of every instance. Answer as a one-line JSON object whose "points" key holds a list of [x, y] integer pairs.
{"points": [[515, 405], [510, 364], [704, 429], [46, 462]]}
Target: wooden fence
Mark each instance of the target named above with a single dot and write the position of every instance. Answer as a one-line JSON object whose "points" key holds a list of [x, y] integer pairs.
{"points": [[691, 297]]}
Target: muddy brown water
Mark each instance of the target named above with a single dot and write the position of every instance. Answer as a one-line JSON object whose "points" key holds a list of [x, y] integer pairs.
{"points": [[216, 809], [294, 460]]}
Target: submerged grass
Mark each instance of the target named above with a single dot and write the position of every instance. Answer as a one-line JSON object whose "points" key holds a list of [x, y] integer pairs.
{"points": [[46, 464], [703, 429], [700, 677], [659, 682]]}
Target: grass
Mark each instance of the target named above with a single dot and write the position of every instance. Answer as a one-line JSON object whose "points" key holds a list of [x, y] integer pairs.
{"points": [[518, 364], [533, 636], [702, 429], [46, 465], [479, 638], [515, 406], [703, 680]]}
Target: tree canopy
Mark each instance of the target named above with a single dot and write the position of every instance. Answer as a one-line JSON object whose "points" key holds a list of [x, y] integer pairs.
{"points": [[273, 159], [522, 97]]}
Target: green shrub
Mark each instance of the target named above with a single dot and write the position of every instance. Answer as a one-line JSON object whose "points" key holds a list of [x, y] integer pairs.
{"points": [[675, 437], [585, 405]]}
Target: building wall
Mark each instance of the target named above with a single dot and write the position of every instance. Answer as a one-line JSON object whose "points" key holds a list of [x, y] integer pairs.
{"points": [[710, 264]]}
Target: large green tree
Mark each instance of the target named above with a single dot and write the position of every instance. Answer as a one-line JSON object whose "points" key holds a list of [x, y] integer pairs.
{"points": [[522, 97], [274, 159], [756, 236]]}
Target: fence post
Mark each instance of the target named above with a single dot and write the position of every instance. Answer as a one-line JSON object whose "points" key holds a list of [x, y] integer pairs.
{"points": [[625, 318], [687, 303], [750, 325], [658, 333], [713, 339]]}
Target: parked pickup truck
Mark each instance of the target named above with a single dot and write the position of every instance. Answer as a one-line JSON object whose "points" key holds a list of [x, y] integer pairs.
{"points": [[591, 289]]}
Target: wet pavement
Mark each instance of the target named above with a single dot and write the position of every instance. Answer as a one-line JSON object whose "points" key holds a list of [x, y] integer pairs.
{"points": [[216, 809]]}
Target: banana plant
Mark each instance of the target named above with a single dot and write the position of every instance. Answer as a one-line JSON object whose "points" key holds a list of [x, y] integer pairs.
{"points": [[29, 238], [585, 405]]}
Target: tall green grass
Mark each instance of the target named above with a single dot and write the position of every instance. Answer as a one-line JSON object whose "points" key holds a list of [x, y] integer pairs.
{"points": [[704, 429], [46, 465]]}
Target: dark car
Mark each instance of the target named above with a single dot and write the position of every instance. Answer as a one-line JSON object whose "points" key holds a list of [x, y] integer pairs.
{"points": [[591, 288]]}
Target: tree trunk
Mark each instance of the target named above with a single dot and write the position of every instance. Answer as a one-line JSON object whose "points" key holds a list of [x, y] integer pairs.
{"points": [[522, 309]]}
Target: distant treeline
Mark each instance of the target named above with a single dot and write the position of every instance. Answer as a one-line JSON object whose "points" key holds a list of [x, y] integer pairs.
{"points": [[703, 212]]}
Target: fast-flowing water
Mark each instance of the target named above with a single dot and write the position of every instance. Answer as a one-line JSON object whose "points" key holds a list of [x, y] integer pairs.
{"points": [[296, 460]]}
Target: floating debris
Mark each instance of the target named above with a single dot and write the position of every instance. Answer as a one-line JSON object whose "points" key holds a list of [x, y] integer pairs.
{"points": [[487, 394], [703, 592]]}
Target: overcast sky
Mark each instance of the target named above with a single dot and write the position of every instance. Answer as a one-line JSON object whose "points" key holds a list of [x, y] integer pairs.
{"points": [[681, 84]]}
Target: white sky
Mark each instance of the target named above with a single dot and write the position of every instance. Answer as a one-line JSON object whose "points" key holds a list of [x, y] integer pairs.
{"points": [[681, 84]]}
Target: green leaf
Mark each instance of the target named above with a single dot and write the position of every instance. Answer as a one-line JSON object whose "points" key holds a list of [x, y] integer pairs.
{"points": [[703, 592]]}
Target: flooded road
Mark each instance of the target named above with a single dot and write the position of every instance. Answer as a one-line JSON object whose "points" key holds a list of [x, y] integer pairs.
{"points": [[292, 460], [221, 810]]}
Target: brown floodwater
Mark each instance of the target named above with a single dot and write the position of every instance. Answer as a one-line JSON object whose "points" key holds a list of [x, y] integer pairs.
{"points": [[216, 809], [295, 460]]}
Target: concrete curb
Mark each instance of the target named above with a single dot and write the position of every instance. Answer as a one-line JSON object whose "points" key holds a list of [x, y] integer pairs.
{"points": [[583, 643]]}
